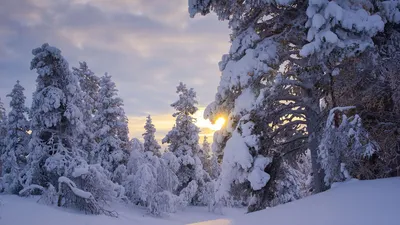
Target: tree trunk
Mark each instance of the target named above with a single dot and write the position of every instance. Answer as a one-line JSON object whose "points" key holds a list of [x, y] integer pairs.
{"points": [[59, 200], [314, 129], [318, 173]]}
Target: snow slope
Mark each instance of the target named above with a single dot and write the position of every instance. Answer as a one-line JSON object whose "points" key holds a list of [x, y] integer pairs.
{"points": [[16, 210], [352, 203]]}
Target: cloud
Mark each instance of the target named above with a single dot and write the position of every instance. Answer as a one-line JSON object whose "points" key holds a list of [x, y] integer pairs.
{"points": [[147, 46], [172, 13]]}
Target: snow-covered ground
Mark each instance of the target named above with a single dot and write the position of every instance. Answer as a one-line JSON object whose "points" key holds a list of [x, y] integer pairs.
{"points": [[352, 203], [16, 210]]}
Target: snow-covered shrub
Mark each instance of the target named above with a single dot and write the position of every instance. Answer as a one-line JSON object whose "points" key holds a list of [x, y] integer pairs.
{"points": [[88, 190], [206, 194], [343, 147], [166, 178], [145, 182], [151, 182], [189, 192], [171, 160], [69, 195], [94, 179], [49, 196], [136, 144], [294, 181], [164, 202], [120, 174]]}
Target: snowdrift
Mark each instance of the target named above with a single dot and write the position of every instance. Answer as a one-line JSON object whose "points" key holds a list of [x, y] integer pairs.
{"points": [[354, 202], [351, 203]]}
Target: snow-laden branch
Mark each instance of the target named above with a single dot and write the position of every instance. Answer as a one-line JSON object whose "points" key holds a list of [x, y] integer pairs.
{"points": [[78, 192], [30, 188], [91, 204], [332, 113]]}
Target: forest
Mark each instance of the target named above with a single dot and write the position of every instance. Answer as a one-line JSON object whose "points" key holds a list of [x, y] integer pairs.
{"points": [[310, 95]]}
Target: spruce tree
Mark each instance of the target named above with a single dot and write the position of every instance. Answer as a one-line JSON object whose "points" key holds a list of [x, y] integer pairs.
{"points": [[150, 143], [3, 131], [111, 127], [205, 153], [209, 160], [183, 142], [16, 141], [90, 85], [56, 120]]}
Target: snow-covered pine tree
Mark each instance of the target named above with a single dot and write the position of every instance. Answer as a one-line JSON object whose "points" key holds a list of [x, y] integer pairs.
{"points": [[111, 127], [150, 142], [300, 73], [56, 120], [3, 114], [183, 142], [209, 160], [251, 158], [16, 141], [56, 166], [205, 153], [90, 85], [3, 132]]}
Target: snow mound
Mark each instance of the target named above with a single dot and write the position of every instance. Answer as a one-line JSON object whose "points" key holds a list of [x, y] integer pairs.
{"points": [[350, 203]]}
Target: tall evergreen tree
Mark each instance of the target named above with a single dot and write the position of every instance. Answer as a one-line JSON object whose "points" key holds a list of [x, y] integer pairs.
{"points": [[3, 115], [3, 130], [150, 143], [90, 85], [56, 120], [111, 127], [205, 152], [183, 142], [209, 160], [273, 80], [16, 141]]}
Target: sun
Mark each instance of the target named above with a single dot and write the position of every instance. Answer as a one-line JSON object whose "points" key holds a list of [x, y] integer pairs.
{"points": [[219, 123], [205, 123]]}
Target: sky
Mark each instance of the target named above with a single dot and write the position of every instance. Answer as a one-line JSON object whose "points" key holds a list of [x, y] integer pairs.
{"points": [[147, 46]]}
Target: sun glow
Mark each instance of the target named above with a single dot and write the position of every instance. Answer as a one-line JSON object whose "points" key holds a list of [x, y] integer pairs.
{"points": [[219, 123], [205, 123]]}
